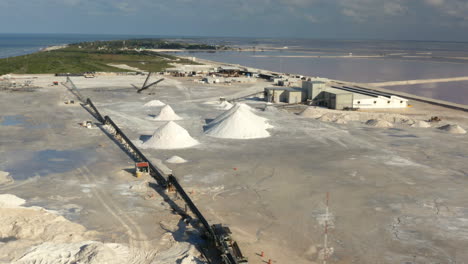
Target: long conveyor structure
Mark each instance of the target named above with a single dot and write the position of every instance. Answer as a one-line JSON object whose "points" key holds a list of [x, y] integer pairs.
{"points": [[219, 235]]}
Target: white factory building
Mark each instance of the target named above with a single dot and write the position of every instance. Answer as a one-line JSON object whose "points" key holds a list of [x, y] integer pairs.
{"points": [[343, 96]]}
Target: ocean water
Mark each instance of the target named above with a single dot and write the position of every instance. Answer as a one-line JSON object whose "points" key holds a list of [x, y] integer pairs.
{"points": [[22, 44], [403, 60]]}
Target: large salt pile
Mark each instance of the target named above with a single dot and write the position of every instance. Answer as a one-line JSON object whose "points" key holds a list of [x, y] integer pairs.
{"points": [[167, 114], [379, 123], [154, 103], [170, 136], [225, 105], [453, 129], [238, 123], [176, 160]]}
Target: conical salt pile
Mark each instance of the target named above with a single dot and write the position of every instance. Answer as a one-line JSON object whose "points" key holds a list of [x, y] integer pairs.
{"points": [[170, 136], [154, 103], [167, 114], [453, 129], [238, 123], [176, 160]]}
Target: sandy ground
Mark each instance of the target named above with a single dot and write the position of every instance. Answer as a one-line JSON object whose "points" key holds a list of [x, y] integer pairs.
{"points": [[397, 195]]}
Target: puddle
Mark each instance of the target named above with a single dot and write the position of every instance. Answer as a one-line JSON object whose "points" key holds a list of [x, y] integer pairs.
{"points": [[12, 120], [47, 162]]}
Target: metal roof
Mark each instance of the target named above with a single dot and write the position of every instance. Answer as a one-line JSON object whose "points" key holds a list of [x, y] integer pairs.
{"points": [[363, 91]]}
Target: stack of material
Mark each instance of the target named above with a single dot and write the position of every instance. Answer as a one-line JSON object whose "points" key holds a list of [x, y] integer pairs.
{"points": [[154, 103], [379, 123], [176, 160], [167, 114], [238, 123], [170, 136], [453, 129]]}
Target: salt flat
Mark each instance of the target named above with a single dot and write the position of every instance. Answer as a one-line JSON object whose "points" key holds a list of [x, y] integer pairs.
{"points": [[397, 194]]}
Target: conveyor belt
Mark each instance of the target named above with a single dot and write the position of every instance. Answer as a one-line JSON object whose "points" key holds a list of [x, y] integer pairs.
{"points": [[154, 171], [96, 112]]}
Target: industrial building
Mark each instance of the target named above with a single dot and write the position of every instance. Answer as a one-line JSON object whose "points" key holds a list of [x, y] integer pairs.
{"points": [[284, 95], [343, 97]]}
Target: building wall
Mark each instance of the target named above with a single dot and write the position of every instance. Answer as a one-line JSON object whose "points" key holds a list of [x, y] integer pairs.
{"points": [[277, 96], [381, 102], [344, 100], [312, 89], [294, 97]]}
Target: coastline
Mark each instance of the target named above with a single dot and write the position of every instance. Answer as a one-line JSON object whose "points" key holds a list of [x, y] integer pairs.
{"points": [[423, 99]]}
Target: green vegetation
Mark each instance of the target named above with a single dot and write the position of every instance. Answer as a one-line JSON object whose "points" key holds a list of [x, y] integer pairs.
{"points": [[148, 44], [88, 57]]}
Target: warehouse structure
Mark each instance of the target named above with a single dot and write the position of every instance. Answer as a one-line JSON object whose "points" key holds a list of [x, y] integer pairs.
{"points": [[343, 97], [284, 95]]}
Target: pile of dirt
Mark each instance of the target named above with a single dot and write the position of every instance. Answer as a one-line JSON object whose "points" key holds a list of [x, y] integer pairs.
{"points": [[238, 123], [453, 129], [31, 235], [421, 124], [343, 117], [170, 136], [154, 103], [167, 114], [379, 123], [176, 160]]}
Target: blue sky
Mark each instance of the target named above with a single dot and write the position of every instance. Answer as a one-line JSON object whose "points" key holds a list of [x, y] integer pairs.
{"points": [[340, 19]]}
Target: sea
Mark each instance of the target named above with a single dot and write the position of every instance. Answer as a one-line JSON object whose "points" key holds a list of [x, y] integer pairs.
{"points": [[366, 61]]}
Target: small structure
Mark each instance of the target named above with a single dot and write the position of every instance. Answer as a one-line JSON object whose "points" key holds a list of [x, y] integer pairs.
{"points": [[283, 94], [141, 168], [87, 124]]}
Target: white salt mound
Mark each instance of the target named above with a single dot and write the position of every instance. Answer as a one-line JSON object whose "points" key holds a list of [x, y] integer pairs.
{"points": [[10, 201], [238, 123], [167, 114], [5, 178], [225, 105], [154, 103], [313, 112], [270, 108], [379, 123], [170, 136], [421, 123], [453, 129], [176, 160]]}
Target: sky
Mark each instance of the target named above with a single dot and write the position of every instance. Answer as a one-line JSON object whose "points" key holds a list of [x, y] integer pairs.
{"points": [[441, 20]]}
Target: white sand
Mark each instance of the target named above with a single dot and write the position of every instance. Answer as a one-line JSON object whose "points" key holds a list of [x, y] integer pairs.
{"points": [[421, 123], [10, 201], [453, 129], [379, 123], [342, 117], [176, 160], [170, 136], [154, 103], [167, 114], [238, 123], [40, 236], [5, 178], [225, 105]]}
